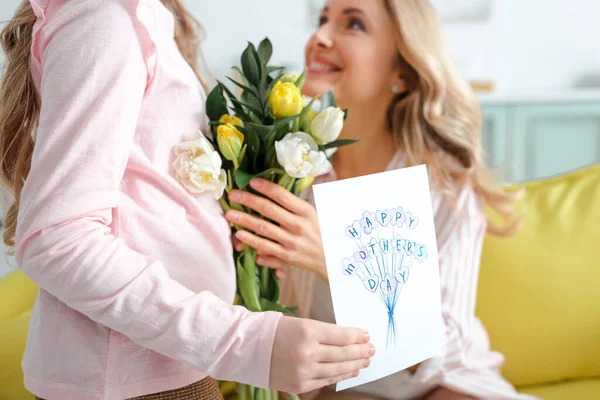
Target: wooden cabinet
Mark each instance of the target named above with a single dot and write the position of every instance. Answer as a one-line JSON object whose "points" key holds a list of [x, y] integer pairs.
{"points": [[528, 140]]}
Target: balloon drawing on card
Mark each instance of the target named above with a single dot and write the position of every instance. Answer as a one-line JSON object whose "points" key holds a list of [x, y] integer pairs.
{"points": [[384, 257]]}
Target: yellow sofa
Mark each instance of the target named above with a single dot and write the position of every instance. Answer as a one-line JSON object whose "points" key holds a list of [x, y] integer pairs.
{"points": [[17, 295], [539, 296], [539, 291]]}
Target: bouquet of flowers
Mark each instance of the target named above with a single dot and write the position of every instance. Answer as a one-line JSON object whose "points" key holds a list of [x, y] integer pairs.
{"points": [[268, 131]]}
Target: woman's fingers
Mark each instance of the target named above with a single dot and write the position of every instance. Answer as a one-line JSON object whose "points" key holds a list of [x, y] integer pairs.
{"points": [[281, 196], [264, 247], [271, 262], [265, 207], [237, 245], [280, 273], [261, 227]]}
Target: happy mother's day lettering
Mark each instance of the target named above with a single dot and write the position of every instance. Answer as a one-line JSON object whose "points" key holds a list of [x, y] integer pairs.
{"points": [[384, 262], [395, 217]]}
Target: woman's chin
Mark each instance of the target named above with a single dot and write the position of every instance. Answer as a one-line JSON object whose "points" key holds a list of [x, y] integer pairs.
{"points": [[313, 88]]}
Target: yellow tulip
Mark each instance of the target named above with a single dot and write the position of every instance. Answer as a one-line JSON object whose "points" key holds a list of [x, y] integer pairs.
{"points": [[303, 184], [231, 119], [285, 100], [230, 140]]}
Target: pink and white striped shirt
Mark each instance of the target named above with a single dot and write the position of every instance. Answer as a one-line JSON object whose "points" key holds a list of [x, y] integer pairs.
{"points": [[136, 274], [467, 364]]}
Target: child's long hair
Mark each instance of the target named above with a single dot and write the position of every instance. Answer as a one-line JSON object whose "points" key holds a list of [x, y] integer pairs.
{"points": [[20, 102], [438, 122]]}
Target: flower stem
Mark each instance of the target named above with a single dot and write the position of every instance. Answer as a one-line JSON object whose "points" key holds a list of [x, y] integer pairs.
{"points": [[229, 186], [265, 278], [286, 181], [247, 282], [224, 205]]}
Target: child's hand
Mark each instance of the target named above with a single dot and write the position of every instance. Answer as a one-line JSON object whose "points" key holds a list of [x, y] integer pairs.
{"points": [[308, 355]]}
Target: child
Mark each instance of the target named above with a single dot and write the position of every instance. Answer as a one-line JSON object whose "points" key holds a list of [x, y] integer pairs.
{"points": [[136, 274]]}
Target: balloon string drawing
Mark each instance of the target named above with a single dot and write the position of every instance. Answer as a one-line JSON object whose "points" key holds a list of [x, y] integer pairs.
{"points": [[384, 257]]}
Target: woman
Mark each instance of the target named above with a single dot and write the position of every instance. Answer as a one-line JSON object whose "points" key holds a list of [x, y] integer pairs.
{"points": [[135, 273], [385, 62]]}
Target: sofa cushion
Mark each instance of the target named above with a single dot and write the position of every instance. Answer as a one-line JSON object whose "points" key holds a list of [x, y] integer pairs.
{"points": [[13, 335], [17, 294], [585, 389], [539, 291]]}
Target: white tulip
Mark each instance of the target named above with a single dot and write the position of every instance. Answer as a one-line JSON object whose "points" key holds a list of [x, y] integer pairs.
{"points": [[327, 125], [299, 155], [198, 167]]}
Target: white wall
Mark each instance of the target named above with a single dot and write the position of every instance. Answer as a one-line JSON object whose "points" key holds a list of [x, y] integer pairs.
{"points": [[531, 43], [230, 24], [525, 44]]}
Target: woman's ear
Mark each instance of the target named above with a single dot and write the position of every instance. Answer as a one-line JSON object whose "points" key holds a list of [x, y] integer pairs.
{"points": [[399, 86]]}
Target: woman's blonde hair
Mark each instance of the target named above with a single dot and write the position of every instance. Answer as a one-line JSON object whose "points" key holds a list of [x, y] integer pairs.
{"points": [[20, 102], [438, 120]]}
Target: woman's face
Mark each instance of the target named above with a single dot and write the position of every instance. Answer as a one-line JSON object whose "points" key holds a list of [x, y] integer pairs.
{"points": [[353, 53]]}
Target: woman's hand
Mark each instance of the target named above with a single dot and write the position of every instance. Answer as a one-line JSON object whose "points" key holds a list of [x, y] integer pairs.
{"points": [[296, 241]]}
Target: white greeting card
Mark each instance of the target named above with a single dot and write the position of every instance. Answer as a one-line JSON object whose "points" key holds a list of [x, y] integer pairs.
{"points": [[380, 247]]}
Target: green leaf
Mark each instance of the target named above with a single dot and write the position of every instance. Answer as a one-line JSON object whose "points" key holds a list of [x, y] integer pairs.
{"points": [[300, 81], [271, 69], [245, 88], [250, 66], [304, 125], [262, 93], [328, 100], [247, 285], [265, 281], [244, 79], [238, 106], [242, 179], [241, 113], [263, 130], [273, 293], [255, 119], [265, 50], [262, 69], [253, 141], [254, 102], [285, 121], [242, 129], [239, 103], [345, 110], [270, 173], [296, 125], [226, 89], [270, 151], [272, 306], [339, 143], [242, 154], [215, 104], [243, 161]]}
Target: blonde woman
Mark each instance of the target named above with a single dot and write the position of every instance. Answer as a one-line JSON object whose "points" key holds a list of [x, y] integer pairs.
{"points": [[385, 61], [136, 274]]}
